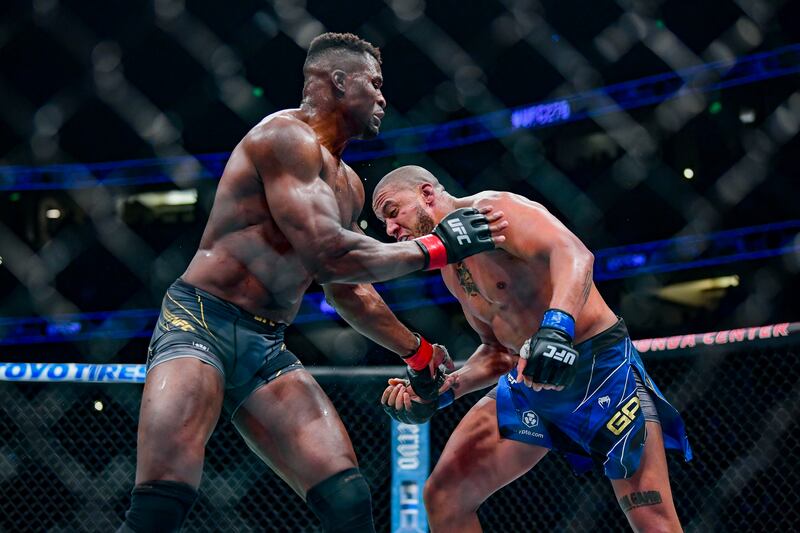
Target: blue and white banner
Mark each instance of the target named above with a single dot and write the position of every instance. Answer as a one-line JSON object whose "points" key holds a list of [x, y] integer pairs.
{"points": [[72, 372], [410, 468]]}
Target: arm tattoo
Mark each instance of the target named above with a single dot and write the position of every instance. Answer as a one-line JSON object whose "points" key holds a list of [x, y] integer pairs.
{"points": [[639, 499], [587, 286], [465, 279]]}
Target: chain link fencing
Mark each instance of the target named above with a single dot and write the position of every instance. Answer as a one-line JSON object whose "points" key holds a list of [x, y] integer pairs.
{"points": [[66, 466], [85, 82]]}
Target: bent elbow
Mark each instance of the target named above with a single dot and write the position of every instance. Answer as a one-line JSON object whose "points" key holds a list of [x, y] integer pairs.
{"points": [[502, 363], [332, 269], [324, 273]]}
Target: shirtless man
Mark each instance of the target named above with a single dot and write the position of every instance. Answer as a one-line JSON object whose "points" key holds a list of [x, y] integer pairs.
{"points": [[578, 387], [285, 214]]}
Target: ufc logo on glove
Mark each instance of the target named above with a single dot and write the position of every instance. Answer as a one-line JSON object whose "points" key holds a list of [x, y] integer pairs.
{"points": [[559, 355], [458, 228]]}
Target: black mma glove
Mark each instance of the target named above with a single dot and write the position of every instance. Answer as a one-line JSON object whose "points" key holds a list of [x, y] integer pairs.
{"points": [[551, 357], [420, 412], [426, 386], [460, 234], [418, 371]]}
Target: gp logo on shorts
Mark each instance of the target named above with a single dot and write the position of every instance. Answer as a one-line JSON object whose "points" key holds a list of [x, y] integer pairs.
{"points": [[624, 416], [530, 419]]}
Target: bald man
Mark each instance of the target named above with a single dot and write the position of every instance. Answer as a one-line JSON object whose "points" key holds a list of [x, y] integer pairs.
{"points": [[568, 377], [284, 215]]}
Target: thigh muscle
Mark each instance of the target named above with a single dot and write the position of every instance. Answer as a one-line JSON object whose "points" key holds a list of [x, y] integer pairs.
{"points": [[292, 425], [476, 461], [181, 403]]}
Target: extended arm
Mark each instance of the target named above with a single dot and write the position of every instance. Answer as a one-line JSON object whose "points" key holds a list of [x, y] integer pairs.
{"points": [[363, 308], [289, 160], [483, 368]]}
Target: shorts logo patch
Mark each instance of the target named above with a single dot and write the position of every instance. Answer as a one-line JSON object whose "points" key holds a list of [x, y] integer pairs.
{"points": [[177, 322], [530, 419], [624, 416], [604, 402], [201, 346]]}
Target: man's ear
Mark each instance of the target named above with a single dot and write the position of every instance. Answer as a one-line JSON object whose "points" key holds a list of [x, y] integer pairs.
{"points": [[338, 78], [428, 193]]}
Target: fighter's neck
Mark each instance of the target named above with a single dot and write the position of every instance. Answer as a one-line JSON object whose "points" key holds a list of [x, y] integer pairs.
{"points": [[447, 204], [329, 126]]}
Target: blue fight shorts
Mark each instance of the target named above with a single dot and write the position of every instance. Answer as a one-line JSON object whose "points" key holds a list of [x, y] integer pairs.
{"points": [[599, 417]]}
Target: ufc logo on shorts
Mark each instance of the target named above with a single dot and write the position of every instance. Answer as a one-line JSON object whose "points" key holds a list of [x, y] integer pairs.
{"points": [[458, 227], [559, 355]]}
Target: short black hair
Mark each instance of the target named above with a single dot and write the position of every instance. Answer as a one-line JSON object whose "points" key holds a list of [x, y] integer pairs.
{"points": [[340, 41]]}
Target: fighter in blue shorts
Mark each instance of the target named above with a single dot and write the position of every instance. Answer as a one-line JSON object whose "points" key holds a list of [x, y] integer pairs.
{"points": [[569, 377]]}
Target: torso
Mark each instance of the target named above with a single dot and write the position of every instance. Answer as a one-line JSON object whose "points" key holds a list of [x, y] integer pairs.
{"points": [[510, 295], [243, 256]]}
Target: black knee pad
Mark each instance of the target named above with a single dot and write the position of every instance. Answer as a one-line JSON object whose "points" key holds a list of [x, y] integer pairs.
{"points": [[343, 503], [158, 507]]}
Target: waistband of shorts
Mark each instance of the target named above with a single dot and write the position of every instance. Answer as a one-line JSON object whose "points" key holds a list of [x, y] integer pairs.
{"points": [[258, 322], [605, 339]]}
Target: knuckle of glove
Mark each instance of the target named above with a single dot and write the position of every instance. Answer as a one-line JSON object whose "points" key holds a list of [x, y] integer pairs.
{"points": [[552, 359], [419, 413], [424, 385]]}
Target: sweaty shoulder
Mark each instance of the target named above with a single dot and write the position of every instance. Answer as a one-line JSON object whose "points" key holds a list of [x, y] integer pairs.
{"points": [[531, 227], [503, 200], [283, 143]]}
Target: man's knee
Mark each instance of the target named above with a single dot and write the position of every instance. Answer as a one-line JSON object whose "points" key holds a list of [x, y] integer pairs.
{"points": [[158, 507], [343, 503], [655, 522], [441, 500]]}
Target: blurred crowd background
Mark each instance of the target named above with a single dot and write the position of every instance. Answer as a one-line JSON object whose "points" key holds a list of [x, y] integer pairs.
{"points": [[664, 133], [633, 121]]}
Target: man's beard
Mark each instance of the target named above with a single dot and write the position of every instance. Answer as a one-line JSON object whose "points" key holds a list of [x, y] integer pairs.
{"points": [[425, 223]]}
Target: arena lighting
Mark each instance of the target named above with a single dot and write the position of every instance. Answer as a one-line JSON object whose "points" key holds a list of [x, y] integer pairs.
{"points": [[98, 405], [747, 115], [166, 198], [698, 293], [688, 173], [53, 214], [581, 106], [668, 255]]}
